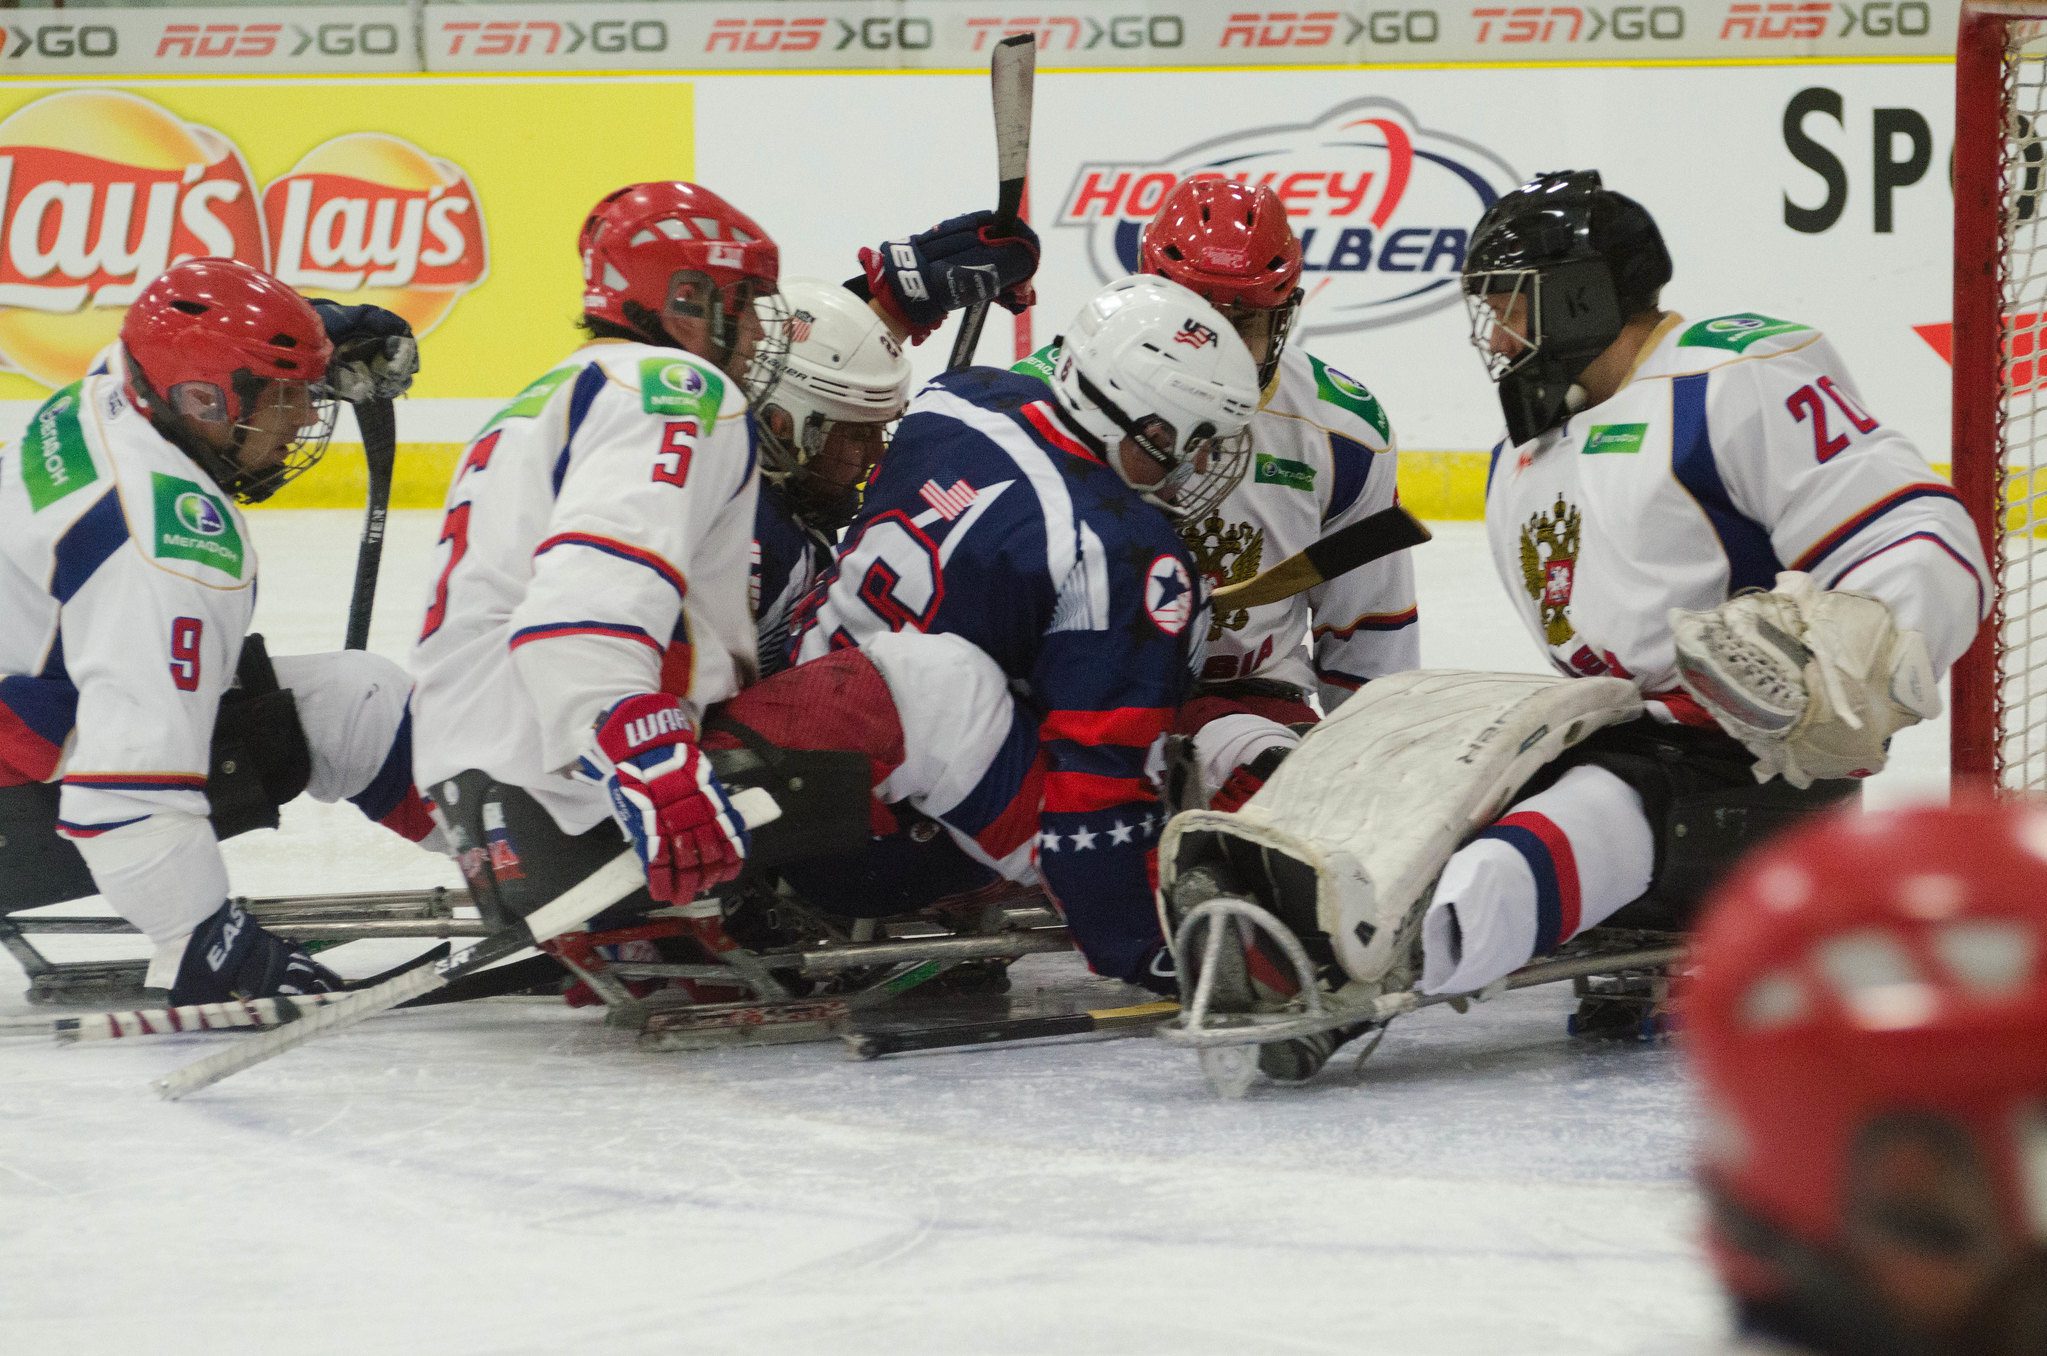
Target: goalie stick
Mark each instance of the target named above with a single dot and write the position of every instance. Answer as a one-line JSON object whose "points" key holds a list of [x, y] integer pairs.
{"points": [[378, 423], [1347, 548], [571, 909], [1010, 74]]}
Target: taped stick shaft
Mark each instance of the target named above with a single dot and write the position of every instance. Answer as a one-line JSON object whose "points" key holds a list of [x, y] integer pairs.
{"points": [[1011, 74], [378, 423], [1001, 1031]]}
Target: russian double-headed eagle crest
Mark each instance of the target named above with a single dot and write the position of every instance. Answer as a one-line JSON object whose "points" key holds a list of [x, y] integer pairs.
{"points": [[1225, 553], [1549, 566]]}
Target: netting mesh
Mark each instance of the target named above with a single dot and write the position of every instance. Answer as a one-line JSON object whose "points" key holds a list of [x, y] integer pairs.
{"points": [[2021, 652]]}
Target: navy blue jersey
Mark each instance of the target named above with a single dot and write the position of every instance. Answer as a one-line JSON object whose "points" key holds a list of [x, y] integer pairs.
{"points": [[988, 520], [787, 559]]}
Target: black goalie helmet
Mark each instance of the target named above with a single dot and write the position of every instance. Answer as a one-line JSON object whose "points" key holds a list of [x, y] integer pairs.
{"points": [[1566, 262]]}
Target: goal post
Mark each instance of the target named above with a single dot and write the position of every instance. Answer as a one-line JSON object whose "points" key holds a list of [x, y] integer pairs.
{"points": [[1998, 732]]}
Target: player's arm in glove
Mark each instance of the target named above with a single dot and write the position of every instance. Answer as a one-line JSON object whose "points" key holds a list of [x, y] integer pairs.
{"points": [[375, 357], [1813, 682], [956, 263], [666, 798]]}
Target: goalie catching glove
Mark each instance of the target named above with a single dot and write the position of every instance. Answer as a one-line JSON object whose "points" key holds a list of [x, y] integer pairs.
{"points": [[665, 797], [1813, 682]]}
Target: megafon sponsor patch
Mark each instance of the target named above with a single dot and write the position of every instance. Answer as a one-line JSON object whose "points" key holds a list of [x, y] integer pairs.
{"points": [[1383, 205], [101, 191]]}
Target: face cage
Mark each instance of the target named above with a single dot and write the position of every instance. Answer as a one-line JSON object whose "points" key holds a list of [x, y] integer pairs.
{"points": [[1278, 322], [686, 292], [301, 454], [791, 468], [1485, 321], [1204, 476]]}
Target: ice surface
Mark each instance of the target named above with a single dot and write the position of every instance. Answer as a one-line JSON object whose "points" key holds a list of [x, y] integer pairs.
{"points": [[513, 1177]]}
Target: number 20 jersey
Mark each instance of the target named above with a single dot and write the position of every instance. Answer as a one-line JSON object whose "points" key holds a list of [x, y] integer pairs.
{"points": [[1737, 448]]}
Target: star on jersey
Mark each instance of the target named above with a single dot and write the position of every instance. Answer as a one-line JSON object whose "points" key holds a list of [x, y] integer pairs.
{"points": [[1168, 594], [1119, 834]]}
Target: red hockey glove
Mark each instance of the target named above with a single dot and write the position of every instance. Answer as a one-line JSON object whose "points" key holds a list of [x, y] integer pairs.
{"points": [[666, 798]]}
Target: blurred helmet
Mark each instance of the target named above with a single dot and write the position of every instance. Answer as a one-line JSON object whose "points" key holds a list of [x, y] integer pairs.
{"points": [[1868, 1019], [1231, 245], [656, 251], [1148, 360], [1583, 260], [229, 363], [826, 421]]}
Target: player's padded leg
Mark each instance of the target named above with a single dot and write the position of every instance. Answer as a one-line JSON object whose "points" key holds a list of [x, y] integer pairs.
{"points": [[513, 855], [355, 711], [1556, 863], [1240, 733]]}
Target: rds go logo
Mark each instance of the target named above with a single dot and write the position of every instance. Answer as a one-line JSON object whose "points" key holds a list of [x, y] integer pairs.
{"points": [[198, 515], [1384, 207]]}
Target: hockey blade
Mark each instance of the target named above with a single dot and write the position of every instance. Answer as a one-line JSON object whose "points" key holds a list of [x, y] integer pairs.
{"points": [[1388, 530], [1012, 75], [574, 907]]}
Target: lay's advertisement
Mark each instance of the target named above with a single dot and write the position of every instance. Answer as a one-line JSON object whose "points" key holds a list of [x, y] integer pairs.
{"points": [[454, 203]]}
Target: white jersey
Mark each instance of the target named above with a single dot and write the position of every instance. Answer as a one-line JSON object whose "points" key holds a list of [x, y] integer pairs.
{"points": [[596, 544], [1738, 448], [127, 581], [1323, 457]]}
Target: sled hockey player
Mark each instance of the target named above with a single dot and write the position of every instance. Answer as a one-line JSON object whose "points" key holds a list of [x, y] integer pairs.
{"points": [[140, 723], [1015, 579], [821, 430], [593, 600], [1323, 458], [1749, 581], [1865, 1024]]}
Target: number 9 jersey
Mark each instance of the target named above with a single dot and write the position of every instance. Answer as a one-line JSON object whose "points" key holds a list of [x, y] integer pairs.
{"points": [[1736, 449], [596, 544]]}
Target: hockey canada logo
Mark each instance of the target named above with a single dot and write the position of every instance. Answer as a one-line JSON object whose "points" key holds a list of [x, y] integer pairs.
{"points": [[1168, 595], [1383, 205], [101, 191]]}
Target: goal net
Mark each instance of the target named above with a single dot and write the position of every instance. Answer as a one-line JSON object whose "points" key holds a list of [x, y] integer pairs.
{"points": [[1999, 730]]}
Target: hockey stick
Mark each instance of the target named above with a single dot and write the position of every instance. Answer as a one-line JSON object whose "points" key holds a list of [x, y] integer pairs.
{"points": [[1388, 530], [571, 909], [1010, 74], [378, 423], [1130, 1020]]}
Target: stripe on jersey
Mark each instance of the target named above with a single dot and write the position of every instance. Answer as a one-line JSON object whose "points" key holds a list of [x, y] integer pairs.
{"points": [[1933, 537], [88, 544], [1001, 813], [589, 382], [1751, 560], [137, 781], [1061, 534], [1555, 868], [611, 546], [1131, 726], [1038, 414], [1830, 543], [1079, 793], [392, 785], [69, 829], [1351, 466], [1371, 621], [526, 635]]}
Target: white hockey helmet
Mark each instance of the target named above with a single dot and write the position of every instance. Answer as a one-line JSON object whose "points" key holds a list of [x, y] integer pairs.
{"points": [[824, 423], [1148, 360]]}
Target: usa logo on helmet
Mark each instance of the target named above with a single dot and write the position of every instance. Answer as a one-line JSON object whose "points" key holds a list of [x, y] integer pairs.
{"points": [[1383, 206]]}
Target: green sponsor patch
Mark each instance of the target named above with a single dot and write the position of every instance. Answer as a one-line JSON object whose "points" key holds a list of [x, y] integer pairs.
{"points": [[1295, 475], [673, 386], [1614, 438], [1736, 332], [193, 524], [529, 402], [1349, 394], [54, 458], [1040, 364]]}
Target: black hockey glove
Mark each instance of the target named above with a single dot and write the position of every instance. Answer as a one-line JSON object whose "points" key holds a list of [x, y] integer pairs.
{"points": [[230, 956], [951, 266], [375, 357]]}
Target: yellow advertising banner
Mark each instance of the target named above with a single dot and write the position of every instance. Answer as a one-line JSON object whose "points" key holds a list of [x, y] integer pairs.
{"points": [[454, 201]]}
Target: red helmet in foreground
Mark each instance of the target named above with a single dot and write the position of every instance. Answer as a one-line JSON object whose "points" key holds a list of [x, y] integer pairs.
{"points": [[1868, 1019], [1231, 245], [227, 362], [658, 252]]}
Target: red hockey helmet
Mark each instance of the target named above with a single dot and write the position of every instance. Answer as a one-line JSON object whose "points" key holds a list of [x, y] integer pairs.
{"points": [[1230, 244], [1868, 1018], [656, 251], [228, 363]]}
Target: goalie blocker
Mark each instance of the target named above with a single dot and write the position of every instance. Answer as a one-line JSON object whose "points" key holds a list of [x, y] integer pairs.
{"points": [[1382, 847]]}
